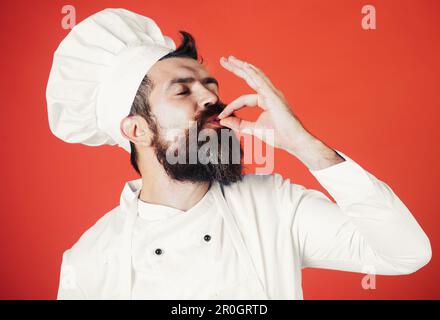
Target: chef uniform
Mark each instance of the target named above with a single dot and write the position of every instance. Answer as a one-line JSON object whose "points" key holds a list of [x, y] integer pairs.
{"points": [[247, 240]]}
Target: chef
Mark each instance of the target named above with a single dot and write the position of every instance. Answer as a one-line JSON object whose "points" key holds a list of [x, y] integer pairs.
{"points": [[206, 230]]}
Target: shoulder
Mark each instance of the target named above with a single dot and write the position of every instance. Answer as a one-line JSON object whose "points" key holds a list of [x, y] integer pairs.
{"points": [[268, 192], [264, 192], [97, 238], [255, 181], [81, 266], [265, 184]]}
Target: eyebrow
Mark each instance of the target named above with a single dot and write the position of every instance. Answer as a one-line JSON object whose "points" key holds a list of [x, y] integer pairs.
{"points": [[189, 80]]}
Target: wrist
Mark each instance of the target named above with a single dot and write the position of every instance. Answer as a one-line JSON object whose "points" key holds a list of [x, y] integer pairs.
{"points": [[314, 153]]}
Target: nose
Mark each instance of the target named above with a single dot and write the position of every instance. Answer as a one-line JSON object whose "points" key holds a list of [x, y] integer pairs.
{"points": [[207, 98]]}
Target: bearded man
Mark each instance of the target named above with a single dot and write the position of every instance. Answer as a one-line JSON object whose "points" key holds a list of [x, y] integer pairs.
{"points": [[202, 229]]}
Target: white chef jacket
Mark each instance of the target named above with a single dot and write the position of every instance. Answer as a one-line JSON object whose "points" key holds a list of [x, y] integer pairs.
{"points": [[194, 241], [263, 231]]}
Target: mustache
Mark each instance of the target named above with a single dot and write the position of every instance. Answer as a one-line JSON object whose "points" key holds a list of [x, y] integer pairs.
{"points": [[207, 113]]}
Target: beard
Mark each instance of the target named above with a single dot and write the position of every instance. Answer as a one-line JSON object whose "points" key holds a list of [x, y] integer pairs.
{"points": [[216, 160]]}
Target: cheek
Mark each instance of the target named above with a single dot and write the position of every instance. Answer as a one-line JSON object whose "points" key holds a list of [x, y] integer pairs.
{"points": [[173, 119], [175, 115]]}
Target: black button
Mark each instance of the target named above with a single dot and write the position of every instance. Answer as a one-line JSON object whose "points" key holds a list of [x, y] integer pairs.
{"points": [[207, 237], [158, 251]]}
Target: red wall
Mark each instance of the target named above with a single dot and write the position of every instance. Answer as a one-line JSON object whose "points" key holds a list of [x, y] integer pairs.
{"points": [[372, 94]]}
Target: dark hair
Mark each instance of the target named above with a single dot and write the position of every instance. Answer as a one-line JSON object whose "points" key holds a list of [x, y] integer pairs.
{"points": [[140, 106]]}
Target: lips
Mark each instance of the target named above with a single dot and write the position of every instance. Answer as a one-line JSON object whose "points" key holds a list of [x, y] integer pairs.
{"points": [[214, 121]]}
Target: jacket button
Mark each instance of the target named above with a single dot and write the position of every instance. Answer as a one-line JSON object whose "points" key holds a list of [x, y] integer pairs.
{"points": [[207, 237], [158, 251]]}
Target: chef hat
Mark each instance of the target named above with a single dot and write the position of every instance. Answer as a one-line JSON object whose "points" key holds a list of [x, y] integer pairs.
{"points": [[96, 72]]}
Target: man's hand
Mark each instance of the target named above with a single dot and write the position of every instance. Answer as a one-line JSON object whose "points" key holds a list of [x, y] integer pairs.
{"points": [[289, 133]]}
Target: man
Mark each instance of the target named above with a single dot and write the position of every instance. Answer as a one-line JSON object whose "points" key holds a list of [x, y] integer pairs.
{"points": [[204, 230]]}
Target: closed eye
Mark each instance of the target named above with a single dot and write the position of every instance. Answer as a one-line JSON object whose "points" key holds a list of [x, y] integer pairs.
{"points": [[183, 93]]}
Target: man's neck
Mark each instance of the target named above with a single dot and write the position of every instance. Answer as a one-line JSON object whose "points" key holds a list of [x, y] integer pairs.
{"points": [[159, 188]]}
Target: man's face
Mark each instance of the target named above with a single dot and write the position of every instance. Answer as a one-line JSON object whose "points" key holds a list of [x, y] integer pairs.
{"points": [[183, 90], [184, 97]]}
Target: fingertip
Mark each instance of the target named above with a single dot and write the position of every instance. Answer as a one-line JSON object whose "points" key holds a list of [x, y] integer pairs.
{"points": [[227, 124], [224, 124], [223, 60]]}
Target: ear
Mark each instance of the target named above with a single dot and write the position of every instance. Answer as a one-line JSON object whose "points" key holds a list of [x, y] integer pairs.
{"points": [[135, 129]]}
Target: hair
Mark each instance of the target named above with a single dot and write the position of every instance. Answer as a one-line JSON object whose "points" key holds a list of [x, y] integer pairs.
{"points": [[140, 106]]}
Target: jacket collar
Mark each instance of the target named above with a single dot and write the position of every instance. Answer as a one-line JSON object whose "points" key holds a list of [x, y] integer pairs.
{"points": [[130, 192]]}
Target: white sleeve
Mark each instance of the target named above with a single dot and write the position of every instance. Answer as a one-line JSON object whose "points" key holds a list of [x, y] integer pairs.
{"points": [[69, 288], [367, 230]]}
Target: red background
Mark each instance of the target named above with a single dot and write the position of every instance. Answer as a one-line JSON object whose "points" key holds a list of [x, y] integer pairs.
{"points": [[371, 94]]}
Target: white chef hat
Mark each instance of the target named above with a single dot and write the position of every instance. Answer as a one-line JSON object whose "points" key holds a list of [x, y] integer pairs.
{"points": [[96, 71]]}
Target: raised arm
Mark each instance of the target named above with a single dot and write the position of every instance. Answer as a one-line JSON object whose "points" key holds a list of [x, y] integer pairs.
{"points": [[367, 230], [368, 226]]}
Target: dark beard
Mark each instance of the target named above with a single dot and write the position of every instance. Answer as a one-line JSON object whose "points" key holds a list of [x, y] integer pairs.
{"points": [[226, 169]]}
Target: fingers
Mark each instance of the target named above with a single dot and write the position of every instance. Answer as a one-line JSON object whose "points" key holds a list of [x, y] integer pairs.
{"points": [[239, 72], [248, 100], [237, 124], [254, 77], [255, 72]]}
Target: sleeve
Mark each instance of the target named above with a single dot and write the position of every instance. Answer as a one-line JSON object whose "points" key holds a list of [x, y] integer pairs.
{"points": [[69, 288], [367, 230]]}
